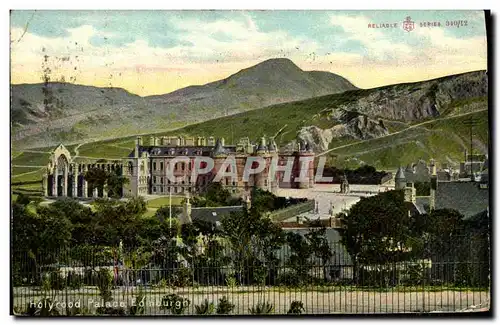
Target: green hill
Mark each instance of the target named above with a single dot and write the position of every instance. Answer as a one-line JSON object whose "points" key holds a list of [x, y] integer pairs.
{"points": [[385, 127]]}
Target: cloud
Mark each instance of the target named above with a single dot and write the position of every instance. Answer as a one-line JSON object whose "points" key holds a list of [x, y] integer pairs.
{"points": [[420, 48], [179, 49]]}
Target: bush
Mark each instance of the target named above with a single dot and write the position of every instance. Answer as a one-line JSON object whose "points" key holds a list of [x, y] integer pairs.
{"points": [[378, 276], [231, 280], [289, 279], [261, 309], [296, 307], [74, 280], [90, 278], [105, 284], [463, 276], [138, 307], [163, 283], [224, 307], [414, 274], [182, 277], [205, 308], [57, 281]]}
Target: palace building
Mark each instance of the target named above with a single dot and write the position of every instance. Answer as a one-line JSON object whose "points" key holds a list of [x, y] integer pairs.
{"points": [[147, 167]]}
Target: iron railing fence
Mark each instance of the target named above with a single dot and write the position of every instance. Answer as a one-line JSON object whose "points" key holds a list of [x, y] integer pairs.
{"points": [[205, 278]]}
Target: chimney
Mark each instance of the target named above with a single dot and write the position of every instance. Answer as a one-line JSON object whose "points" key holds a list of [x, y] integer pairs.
{"points": [[177, 141], [432, 167], [157, 141], [432, 198], [138, 143]]}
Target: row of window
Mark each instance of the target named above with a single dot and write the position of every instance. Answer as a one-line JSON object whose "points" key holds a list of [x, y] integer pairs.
{"points": [[161, 189], [202, 181], [178, 166]]}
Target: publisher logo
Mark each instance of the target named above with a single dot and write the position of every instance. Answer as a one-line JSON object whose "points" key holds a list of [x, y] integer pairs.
{"points": [[408, 24]]}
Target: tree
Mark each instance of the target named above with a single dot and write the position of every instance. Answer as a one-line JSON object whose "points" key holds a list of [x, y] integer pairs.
{"points": [[254, 240], [377, 230], [103, 180], [299, 259], [115, 184], [215, 195], [115, 220], [320, 246], [96, 178], [438, 231], [80, 217]]}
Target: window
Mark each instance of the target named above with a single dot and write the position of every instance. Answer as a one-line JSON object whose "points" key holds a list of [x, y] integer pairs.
{"points": [[154, 189], [161, 180], [154, 179], [234, 183], [161, 189], [265, 182], [161, 165], [227, 181], [154, 166], [189, 166], [183, 166]]}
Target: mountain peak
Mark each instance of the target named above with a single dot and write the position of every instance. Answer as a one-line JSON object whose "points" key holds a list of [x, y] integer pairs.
{"points": [[278, 61], [282, 64]]}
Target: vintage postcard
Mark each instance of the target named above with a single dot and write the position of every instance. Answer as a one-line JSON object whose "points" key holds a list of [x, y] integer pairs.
{"points": [[239, 162]]}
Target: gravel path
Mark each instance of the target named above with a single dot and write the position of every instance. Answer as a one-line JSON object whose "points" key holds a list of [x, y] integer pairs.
{"points": [[337, 300]]}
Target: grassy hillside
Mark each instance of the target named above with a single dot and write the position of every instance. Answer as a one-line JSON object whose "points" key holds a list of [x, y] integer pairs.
{"points": [[442, 134], [53, 112]]}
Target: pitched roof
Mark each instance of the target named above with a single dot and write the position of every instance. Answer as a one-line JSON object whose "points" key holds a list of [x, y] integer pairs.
{"points": [[181, 150], [422, 204], [213, 214], [219, 148], [400, 174], [468, 198]]}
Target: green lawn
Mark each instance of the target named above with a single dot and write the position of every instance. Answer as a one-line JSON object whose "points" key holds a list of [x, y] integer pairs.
{"points": [[36, 176], [31, 159], [164, 201], [103, 151], [23, 170]]}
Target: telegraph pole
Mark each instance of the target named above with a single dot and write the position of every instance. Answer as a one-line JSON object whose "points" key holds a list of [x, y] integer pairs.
{"points": [[170, 207], [470, 123]]}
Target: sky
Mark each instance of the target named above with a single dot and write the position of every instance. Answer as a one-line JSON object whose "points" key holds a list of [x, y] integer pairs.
{"points": [[156, 52]]}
